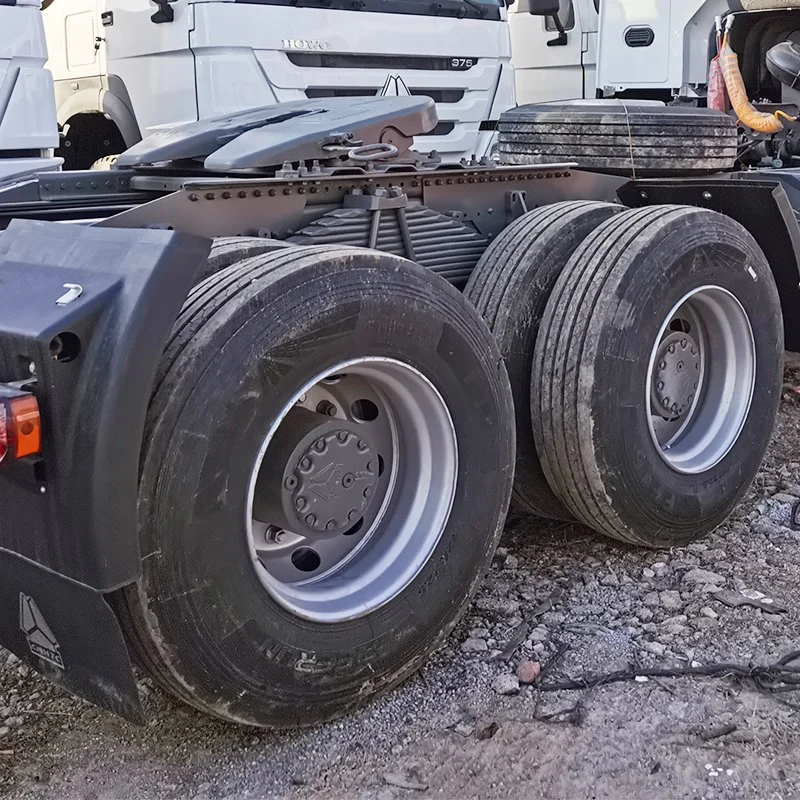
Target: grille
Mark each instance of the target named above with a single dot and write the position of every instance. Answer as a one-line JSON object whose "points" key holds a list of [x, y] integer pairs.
{"points": [[437, 95], [358, 61]]}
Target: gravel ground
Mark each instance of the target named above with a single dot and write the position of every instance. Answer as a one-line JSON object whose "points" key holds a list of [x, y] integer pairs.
{"points": [[558, 601]]}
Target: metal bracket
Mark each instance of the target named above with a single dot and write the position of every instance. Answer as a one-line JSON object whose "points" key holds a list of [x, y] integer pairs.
{"points": [[377, 202], [74, 291], [517, 203]]}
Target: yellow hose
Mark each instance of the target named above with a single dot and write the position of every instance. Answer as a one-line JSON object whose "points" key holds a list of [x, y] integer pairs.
{"points": [[756, 120]]}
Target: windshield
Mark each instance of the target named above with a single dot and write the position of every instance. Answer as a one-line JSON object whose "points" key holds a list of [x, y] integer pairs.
{"points": [[467, 9]]}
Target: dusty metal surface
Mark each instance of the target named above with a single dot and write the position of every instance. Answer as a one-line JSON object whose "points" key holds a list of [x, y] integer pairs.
{"points": [[279, 207]]}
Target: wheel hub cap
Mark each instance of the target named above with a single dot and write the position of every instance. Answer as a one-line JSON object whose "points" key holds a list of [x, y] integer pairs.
{"points": [[332, 483], [676, 376]]}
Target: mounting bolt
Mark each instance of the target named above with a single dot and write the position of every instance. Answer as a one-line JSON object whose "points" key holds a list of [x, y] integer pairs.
{"points": [[311, 519], [300, 503], [291, 482], [660, 385], [330, 525]]}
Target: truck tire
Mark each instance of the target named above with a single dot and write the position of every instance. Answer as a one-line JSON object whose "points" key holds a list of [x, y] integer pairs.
{"points": [[352, 396], [510, 287], [619, 137], [229, 250], [657, 374]]}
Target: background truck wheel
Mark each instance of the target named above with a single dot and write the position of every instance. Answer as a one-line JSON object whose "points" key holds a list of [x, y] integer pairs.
{"points": [[510, 287], [619, 137], [229, 250], [105, 164], [326, 470], [657, 374]]}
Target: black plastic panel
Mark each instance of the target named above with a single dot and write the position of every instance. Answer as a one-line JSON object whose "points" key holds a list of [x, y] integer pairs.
{"points": [[74, 510]]}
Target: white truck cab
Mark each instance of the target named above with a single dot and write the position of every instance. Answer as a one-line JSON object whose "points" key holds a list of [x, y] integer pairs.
{"points": [[28, 133], [126, 68], [656, 49]]}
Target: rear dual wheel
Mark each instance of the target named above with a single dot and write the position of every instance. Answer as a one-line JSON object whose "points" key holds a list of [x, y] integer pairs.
{"points": [[645, 361], [325, 474]]}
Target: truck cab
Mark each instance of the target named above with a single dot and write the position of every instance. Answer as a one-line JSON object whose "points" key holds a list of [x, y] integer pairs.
{"points": [[127, 68], [647, 49]]}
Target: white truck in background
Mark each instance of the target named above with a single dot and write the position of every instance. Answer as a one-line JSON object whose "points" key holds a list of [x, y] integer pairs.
{"points": [[126, 68], [641, 49], [28, 134]]}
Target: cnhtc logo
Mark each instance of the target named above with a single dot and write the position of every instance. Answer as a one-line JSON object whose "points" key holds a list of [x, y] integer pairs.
{"points": [[40, 638], [394, 87]]}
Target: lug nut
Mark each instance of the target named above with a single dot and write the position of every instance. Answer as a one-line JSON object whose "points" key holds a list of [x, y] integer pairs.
{"points": [[300, 503], [311, 519], [662, 364], [290, 482], [671, 348], [305, 464], [330, 525], [320, 445]]}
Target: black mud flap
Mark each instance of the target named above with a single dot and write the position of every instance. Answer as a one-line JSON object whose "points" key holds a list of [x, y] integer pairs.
{"points": [[84, 316], [67, 632]]}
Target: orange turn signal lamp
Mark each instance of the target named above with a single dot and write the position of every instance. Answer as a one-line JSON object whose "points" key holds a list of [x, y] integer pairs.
{"points": [[20, 424]]}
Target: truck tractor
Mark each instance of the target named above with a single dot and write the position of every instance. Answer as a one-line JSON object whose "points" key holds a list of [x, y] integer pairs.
{"points": [[126, 68], [268, 386]]}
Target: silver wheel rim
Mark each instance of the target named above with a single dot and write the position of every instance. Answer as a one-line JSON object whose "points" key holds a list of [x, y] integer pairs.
{"points": [[388, 441], [700, 379]]}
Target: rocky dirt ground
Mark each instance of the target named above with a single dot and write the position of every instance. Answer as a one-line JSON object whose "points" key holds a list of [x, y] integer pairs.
{"points": [[559, 603]]}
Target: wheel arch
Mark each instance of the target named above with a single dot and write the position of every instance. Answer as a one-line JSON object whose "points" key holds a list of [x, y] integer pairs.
{"points": [[110, 98], [761, 206]]}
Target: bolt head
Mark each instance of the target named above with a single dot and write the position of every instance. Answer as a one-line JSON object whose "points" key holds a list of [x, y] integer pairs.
{"points": [[305, 464], [660, 385], [290, 482], [330, 525], [665, 402], [300, 503], [662, 364], [671, 348], [311, 519]]}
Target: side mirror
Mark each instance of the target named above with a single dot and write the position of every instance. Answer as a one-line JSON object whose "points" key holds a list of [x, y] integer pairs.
{"points": [[540, 8]]}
